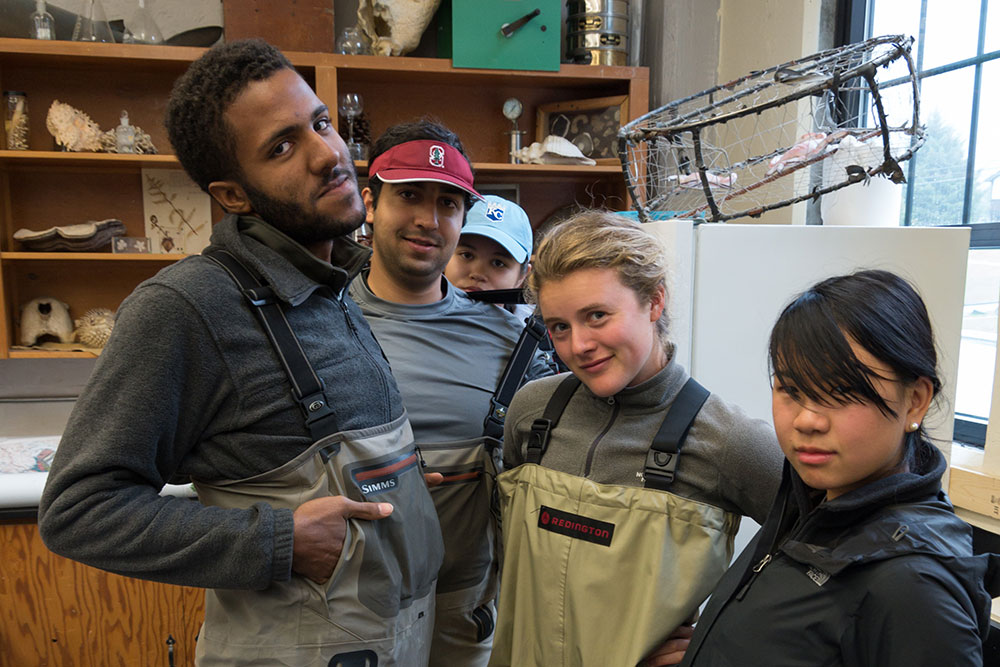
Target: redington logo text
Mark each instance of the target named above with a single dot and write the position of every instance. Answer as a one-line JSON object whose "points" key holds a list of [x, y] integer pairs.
{"points": [[575, 525]]}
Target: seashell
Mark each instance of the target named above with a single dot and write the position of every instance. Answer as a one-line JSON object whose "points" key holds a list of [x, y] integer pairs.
{"points": [[94, 328], [394, 27], [553, 150], [72, 128]]}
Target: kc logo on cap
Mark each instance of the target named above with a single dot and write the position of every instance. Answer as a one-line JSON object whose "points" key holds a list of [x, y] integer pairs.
{"points": [[437, 156], [494, 211]]}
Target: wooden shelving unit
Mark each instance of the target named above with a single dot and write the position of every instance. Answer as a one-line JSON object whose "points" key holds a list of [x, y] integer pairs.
{"points": [[43, 187]]}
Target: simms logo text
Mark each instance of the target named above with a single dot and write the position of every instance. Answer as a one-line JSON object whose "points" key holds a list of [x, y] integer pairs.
{"points": [[379, 487]]}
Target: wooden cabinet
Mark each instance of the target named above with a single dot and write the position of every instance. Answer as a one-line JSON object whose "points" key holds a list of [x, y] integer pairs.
{"points": [[42, 188], [54, 611]]}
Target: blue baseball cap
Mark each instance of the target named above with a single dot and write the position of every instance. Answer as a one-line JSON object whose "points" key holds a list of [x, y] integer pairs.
{"points": [[503, 221]]}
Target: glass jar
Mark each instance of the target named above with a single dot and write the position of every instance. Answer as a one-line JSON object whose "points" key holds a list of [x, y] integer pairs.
{"points": [[16, 120]]}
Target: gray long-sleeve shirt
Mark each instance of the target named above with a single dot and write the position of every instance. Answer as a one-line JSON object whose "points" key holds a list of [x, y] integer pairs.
{"points": [[447, 356], [190, 387]]}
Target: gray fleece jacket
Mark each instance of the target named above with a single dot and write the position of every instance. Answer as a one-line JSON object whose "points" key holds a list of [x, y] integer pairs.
{"points": [[189, 387], [728, 460]]}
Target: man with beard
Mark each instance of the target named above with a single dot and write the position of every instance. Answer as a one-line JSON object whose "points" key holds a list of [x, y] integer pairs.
{"points": [[313, 530], [448, 354]]}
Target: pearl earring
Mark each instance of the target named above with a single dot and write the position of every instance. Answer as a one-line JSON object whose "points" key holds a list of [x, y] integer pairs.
{"points": [[912, 426]]}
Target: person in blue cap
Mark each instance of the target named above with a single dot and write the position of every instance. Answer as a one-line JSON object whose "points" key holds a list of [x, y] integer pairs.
{"points": [[494, 250]]}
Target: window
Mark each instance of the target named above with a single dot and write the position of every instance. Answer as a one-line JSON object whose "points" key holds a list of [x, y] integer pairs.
{"points": [[954, 179]]}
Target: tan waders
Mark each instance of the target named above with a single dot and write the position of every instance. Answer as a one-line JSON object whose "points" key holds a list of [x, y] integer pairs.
{"points": [[598, 574], [377, 609]]}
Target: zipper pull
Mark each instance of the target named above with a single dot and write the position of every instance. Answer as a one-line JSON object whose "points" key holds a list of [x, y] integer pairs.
{"points": [[756, 570], [762, 564]]}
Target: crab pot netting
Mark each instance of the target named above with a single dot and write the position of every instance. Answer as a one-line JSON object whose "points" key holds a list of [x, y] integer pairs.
{"points": [[787, 134]]}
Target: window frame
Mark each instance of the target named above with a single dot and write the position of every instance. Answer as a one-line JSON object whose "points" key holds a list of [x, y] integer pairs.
{"points": [[854, 24]]}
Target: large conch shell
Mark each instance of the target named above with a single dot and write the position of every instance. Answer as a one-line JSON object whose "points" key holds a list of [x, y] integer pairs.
{"points": [[394, 27], [553, 150], [72, 128]]}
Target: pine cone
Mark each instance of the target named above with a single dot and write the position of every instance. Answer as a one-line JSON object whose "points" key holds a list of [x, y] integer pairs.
{"points": [[362, 129]]}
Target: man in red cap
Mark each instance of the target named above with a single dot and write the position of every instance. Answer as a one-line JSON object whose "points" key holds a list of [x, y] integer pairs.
{"points": [[448, 354]]}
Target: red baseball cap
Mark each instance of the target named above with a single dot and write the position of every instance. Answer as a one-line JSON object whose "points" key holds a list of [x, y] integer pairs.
{"points": [[424, 160]]}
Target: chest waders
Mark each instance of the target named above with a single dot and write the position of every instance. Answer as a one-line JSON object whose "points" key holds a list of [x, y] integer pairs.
{"points": [[467, 506], [377, 608], [600, 574]]}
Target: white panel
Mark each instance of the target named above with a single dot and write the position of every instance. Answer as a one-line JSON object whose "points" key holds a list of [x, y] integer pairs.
{"points": [[746, 274], [677, 237]]}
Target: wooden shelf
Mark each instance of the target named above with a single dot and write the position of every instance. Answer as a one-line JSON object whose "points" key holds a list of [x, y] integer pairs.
{"points": [[526, 170], [64, 159], [387, 69], [49, 354], [28, 256]]}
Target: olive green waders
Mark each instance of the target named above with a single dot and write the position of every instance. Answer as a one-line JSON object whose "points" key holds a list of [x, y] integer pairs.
{"points": [[377, 608], [599, 574]]}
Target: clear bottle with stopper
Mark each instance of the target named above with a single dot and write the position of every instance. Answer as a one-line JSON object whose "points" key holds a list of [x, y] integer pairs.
{"points": [[125, 135], [42, 24]]}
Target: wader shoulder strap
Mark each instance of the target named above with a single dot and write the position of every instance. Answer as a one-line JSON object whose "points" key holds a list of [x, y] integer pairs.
{"points": [[538, 440], [661, 461], [517, 365], [307, 387]]}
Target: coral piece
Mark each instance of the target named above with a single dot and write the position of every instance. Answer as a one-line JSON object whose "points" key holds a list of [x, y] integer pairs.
{"points": [[45, 316], [553, 150], [94, 328], [394, 27], [73, 129], [143, 142]]}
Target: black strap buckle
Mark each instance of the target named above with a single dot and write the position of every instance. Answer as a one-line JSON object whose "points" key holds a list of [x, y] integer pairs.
{"points": [[315, 407], [538, 439], [660, 467], [260, 296], [493, 424]]}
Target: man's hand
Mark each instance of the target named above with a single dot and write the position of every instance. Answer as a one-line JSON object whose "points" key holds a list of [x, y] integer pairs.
{"points": [[320, 530], [671, 652], [433, 478]]}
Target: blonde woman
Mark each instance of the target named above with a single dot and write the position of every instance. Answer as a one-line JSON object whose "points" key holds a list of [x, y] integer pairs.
{"points": [[625, 481]]}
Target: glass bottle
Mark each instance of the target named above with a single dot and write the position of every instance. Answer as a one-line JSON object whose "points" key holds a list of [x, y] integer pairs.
{"points": [[353, 43], [16, 120], [125, 135], [42, 24], [92, 24], [141, 28]]}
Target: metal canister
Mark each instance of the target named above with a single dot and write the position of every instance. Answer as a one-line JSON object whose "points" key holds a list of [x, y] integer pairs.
{"points": [[597, 31]]}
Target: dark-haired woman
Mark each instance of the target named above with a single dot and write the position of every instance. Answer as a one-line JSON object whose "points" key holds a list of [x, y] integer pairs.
{"points": [[862, 560]]}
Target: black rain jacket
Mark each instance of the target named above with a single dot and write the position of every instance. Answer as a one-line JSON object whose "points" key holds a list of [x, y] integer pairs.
{"points": [[881, 576]]}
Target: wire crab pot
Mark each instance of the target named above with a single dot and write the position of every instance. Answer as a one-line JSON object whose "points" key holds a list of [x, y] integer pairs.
{"points": [[787, 134]]}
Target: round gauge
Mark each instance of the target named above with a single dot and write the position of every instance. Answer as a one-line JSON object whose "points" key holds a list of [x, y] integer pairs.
{"points": [[512, 109]]}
